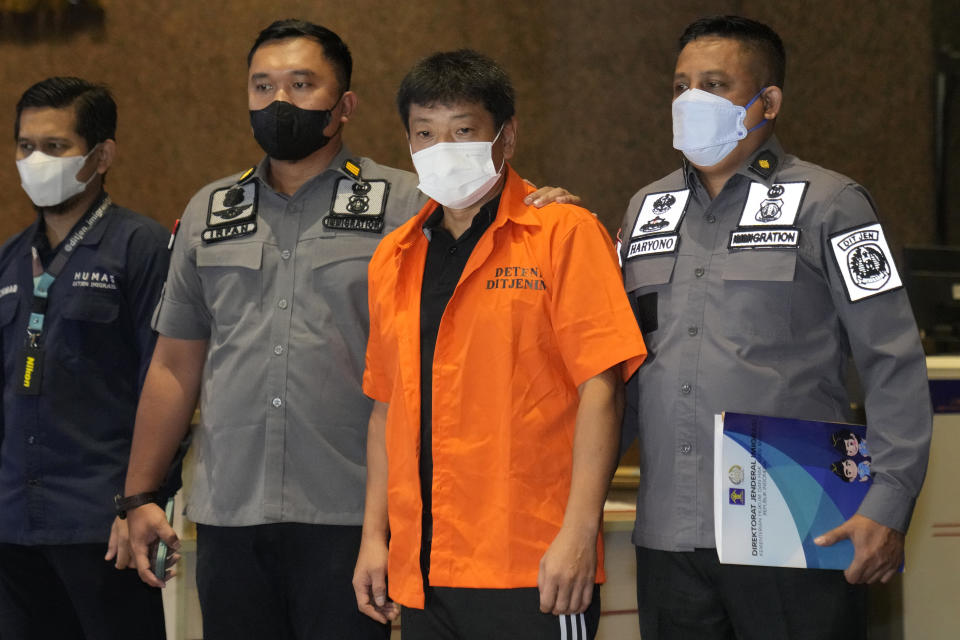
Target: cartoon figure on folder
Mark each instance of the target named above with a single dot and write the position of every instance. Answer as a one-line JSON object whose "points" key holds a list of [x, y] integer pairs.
{"points": [[849, 470], [850, 444]]}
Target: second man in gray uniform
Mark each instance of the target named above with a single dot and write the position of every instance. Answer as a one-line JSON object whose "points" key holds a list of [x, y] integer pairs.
{"points": [[264, 316]]}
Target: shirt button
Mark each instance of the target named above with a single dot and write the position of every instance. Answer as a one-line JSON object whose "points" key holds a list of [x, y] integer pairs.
{"points": [[285, 254], [685, 388], [277, 402], [711, 218], [31, 440], [278, 349], [452, 250], [33, 482], [283, 303], [686, 448], [692, 331], [699, 271]]}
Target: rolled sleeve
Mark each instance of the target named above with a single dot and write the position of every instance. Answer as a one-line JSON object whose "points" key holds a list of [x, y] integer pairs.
{"points": [[182, 312]]}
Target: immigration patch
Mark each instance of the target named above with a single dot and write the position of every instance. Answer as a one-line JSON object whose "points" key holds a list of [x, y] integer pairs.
{"points": [[776, 205], [660, 213], [865, 262], [769, 238], [358, 205]]}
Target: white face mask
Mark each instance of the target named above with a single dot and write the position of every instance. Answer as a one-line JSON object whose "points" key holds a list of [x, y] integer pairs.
{"points": [[706, 128], [50, 180], [457, 174]]}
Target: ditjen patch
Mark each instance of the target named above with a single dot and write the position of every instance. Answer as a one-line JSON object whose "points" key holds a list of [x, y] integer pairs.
{"points": [[865, 262]]}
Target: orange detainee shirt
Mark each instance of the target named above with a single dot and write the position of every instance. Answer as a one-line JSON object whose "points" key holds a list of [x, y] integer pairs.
{"points": [[539, 309]]}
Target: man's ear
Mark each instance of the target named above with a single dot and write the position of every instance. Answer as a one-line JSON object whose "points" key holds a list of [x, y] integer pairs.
{"points": [[509, 137], [348, 104], [104, 155], [772, 100]]}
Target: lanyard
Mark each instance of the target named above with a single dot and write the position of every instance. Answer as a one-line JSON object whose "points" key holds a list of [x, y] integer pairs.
{"points": [[41, 286]]}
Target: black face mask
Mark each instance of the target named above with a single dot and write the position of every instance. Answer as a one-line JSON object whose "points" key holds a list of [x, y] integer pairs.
{"points": [[287, 132]]}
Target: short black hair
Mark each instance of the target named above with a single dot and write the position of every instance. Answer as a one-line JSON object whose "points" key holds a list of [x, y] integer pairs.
{"points": [[449, 77], [839, 439], [837, 468], [94, 106], [334, 49], [762, 41]]}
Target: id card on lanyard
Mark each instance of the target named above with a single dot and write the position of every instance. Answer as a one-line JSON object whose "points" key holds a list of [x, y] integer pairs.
{"points": [[31, 372]]}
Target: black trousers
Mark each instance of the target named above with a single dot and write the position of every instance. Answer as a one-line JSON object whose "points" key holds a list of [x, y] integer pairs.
{"points": [[69, 592], [284, 581], [691, 596], [488, 614]]}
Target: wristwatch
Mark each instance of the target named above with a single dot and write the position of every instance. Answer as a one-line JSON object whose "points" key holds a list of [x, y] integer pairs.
{"points": [[124, 504]]}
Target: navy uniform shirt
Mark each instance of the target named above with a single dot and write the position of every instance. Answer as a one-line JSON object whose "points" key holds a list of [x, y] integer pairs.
{"points": [[280, 295], [63, 453], [754, 302]]}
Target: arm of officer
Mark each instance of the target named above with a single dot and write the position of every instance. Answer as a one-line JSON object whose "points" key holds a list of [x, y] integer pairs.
{"points": [[370, 575], [568, 568], [889, 358], [163, 418]]}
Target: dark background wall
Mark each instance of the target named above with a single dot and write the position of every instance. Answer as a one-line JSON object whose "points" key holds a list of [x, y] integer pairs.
{"points": [[593, 80]]}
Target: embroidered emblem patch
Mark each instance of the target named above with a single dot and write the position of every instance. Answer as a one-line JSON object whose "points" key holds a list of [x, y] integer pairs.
{"points": [[661, 213], [358, 204], [769, 217], [232, 212], [777, 205], [658, 223], [865, 262]]}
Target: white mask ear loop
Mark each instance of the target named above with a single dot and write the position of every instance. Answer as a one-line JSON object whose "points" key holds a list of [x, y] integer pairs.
{"points": [[503, 160]]}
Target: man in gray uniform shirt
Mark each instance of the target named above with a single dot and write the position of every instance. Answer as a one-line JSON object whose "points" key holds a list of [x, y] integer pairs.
{"points": [[755, 276], [264, 315]]}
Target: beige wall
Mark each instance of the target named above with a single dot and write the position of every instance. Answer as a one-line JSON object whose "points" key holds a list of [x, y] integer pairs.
{"points": [[593, 82]]}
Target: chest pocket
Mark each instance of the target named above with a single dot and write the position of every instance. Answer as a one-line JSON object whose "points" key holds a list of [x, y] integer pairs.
{"points": [[231, 274], [92, 308], [642, 278], [339, 266], [90, 325], [758, 291], [8, 309]]}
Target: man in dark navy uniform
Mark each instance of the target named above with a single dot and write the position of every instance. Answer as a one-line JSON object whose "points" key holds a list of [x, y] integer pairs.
{"points": [[77, 288]]}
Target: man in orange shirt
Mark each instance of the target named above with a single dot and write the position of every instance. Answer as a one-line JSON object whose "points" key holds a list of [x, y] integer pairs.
{"points": [[499, 340]]}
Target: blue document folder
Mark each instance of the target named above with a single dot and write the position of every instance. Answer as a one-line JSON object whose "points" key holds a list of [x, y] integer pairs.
{"points": [[781, 482]]}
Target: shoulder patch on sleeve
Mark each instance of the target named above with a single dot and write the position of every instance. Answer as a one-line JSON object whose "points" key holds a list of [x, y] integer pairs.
{"points": [[865, 262]]}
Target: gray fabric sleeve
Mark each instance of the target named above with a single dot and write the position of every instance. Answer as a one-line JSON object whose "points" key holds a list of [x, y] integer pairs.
{"points": [[889, 358], [182, 312]]}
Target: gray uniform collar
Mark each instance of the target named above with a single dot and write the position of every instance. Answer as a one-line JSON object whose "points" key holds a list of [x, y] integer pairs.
{"points": [[262, 171], [762, 166]]}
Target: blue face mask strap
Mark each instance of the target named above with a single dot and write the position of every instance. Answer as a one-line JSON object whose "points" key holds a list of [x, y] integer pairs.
{"points": [[749, 104]]}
